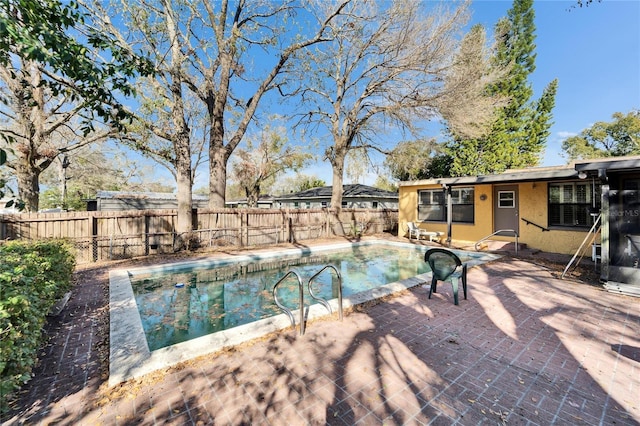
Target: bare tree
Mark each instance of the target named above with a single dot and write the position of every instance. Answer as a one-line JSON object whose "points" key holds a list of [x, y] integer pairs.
{"points": [[161, 128], [238, 32], [411, 160], [296, 183], [261, 163], [57, 76], [38, 125], [392, 68], [78, 175], [208, 50]]}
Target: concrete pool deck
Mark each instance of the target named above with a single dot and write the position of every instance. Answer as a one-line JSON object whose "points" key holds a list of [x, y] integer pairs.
{"points": [[525, 348]]}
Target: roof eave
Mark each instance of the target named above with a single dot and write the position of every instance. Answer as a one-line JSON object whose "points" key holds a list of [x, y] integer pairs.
{"points": [[508, 177], [632, 163]]}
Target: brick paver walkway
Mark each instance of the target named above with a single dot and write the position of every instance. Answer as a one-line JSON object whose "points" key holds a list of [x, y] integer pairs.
{"points": [[525, 348]]}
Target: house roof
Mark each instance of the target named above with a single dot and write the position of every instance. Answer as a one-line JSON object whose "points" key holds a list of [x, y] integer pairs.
{"points": [[142, 195], [538, 173], [612, 163], [568, 171], [263, 198], [349, 191]]}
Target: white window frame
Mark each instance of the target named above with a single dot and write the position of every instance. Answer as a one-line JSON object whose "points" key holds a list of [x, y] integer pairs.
{"points": [[511, 205]]}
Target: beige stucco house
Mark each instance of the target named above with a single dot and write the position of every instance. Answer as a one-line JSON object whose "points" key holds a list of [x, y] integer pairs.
{"points": [[593, 203]]}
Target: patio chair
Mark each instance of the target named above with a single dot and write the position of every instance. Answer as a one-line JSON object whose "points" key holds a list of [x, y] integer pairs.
{"points": [[418, 232], [445, 265]]}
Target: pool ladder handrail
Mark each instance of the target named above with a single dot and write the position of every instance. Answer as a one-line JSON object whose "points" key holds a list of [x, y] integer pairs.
{"points": [[301, 292], [515, 234], [284, 308], [320, 299]]}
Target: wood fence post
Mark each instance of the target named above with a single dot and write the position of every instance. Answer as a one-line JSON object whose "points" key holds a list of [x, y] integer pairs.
{"points": [[147, 219], [94, 237], [243, 229], [327, 223]]}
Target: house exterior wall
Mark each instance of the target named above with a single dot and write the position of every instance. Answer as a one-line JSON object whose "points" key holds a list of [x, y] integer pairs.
{"points": [[533, 205]]}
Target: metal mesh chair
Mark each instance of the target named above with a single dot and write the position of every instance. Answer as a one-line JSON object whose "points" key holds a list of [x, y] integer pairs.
{"points": [[445, 265]]}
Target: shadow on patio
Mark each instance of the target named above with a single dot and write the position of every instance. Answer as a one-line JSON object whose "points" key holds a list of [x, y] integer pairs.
{"points": [[524, 348]]}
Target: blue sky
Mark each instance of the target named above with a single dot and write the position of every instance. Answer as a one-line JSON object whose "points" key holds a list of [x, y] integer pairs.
{"points": [[593, 51]]}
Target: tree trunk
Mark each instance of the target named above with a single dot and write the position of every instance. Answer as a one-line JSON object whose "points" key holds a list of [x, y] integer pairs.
{"points": [[184, 193], [253, 194], [217, 177], [28, 188], [31, 122], [62, 177], [181, 140], [337, 165]]}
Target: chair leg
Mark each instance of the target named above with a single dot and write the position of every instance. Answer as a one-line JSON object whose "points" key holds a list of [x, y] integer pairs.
{"points": [[454, 283], [464, 280], [432, 287]]}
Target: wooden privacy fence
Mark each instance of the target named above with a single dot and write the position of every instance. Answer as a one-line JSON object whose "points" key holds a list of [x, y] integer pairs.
{"points": [[100, 236]]}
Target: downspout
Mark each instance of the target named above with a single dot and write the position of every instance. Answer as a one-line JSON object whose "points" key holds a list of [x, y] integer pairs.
{"points": [[447, 190]]}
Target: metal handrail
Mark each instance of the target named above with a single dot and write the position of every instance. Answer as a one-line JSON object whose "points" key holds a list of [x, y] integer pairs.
{"points": [[528, 222], [287, 310], [495, 233], [323, 301]]}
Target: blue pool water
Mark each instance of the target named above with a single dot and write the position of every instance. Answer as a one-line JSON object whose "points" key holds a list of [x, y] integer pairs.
{"points": [[180, 305]]}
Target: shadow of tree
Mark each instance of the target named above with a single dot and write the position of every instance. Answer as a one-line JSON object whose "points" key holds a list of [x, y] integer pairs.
{"points": [[524, 347]]}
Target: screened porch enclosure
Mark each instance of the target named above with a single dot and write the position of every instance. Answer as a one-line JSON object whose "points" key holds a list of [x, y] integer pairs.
{"points": [[623, 208]]}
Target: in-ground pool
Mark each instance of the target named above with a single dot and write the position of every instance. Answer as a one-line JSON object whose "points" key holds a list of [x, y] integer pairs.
{"points": [[165, 314]]}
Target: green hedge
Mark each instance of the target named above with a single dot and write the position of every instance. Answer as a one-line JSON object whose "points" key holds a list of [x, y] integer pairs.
{"points": [[33, 276]]}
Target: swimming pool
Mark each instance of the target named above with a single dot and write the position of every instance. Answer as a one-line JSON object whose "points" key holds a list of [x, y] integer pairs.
{"points": [[170, 313]]}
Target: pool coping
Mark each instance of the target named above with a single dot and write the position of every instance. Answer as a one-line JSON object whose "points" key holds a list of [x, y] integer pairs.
{"points": [[129, 354]]}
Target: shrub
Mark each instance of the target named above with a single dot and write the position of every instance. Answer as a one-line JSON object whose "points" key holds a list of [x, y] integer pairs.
{"points": [[32, 277]]}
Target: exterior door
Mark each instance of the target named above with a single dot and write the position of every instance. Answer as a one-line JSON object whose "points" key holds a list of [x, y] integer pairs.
{"points": [[505, 209]]}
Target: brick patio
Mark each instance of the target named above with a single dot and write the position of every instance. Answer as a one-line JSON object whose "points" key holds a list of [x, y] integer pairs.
{"points": [[525, 348]]}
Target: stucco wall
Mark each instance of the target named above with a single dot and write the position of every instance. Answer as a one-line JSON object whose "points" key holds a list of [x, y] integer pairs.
{"points": [[532, 197], [534, 207]]}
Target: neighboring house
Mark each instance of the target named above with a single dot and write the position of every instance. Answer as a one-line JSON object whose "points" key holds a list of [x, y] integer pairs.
{"points": [[552, 209], [117, 200], [353, 196], [264, 202]]}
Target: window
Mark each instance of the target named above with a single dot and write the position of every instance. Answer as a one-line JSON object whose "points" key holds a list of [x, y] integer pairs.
{"points": [[344, 204], [374, 204], [570, 203], [324, 204], [506, 199], [307, 204], [296, 205], [432, 205]]}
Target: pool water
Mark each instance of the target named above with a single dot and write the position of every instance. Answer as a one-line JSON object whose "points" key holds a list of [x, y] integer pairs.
{"points": [[188, 303]]}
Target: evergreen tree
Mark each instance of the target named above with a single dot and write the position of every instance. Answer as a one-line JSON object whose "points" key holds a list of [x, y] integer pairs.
{"points": [[518, 136]]}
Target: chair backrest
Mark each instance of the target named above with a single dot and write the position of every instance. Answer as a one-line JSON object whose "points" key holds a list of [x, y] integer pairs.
{"points": [[412, 226], [443, 262]]}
